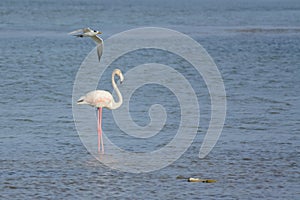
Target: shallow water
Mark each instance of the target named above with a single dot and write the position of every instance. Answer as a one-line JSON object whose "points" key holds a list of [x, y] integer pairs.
{"points": [[256, 46]]}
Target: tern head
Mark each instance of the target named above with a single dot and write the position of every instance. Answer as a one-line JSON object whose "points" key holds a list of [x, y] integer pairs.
{"points": [[97, 32]]}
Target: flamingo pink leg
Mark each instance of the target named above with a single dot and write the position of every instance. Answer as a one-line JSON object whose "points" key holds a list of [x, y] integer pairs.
{"points": [[100, 139]]}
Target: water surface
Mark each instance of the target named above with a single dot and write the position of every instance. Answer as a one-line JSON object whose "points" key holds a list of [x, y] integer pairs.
{"points": [[256, 46]]}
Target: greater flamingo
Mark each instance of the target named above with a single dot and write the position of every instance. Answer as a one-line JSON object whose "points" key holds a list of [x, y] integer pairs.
{"points": [[87, 32], [103, 99]]}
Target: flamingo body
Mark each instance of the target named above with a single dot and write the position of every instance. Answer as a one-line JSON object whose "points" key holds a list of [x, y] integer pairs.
{"points": [[103, 99], [98, 99]]}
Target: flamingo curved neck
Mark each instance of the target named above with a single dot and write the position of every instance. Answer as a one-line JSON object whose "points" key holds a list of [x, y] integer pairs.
{"points": [[116, 105]]}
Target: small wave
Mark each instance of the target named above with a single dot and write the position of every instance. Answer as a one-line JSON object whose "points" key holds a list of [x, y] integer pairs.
{"points": [[24, 120], [272, 30]]}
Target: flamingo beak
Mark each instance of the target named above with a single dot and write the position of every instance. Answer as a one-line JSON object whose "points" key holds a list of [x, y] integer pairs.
{"points": [[121, 78]]}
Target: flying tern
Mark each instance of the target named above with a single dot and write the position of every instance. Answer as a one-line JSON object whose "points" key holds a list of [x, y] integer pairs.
{"points": [[87, 32]]}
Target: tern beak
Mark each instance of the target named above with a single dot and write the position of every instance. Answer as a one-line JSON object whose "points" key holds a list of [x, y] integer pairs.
{"points": [[99, 32]]}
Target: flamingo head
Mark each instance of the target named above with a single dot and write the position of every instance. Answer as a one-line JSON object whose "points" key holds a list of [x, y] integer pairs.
{"points": [[119, 73]]}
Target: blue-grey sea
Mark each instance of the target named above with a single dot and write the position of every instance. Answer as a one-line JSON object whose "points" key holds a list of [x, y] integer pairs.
{"points": [[256, 46]]}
